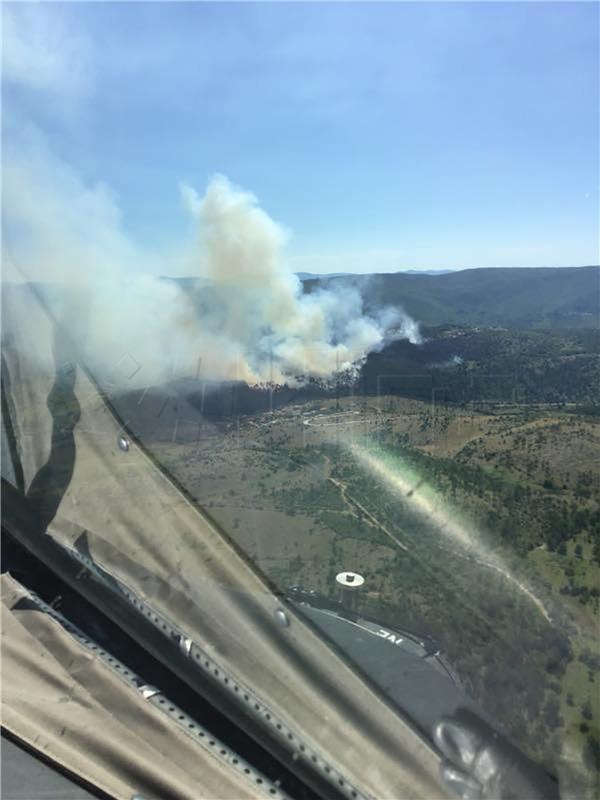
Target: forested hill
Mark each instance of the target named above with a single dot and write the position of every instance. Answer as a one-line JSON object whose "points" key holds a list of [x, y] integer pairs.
{"points": [[565, 297]]}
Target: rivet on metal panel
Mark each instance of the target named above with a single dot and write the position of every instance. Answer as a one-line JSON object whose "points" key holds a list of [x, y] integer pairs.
{"points": [[185, 644], [123, 443], [281, 618], [148, 691]]}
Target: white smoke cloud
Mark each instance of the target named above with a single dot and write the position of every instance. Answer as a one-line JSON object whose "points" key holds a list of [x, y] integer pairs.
{"points": [[60, 228], [280, 332], [247, 320]]}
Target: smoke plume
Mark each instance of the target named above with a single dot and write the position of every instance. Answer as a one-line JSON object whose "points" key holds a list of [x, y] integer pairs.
{"points": [[277, 332], [245, 318]]}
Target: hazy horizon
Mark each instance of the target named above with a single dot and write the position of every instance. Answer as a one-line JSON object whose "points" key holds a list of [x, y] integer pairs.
{"points": [[426, 270]]}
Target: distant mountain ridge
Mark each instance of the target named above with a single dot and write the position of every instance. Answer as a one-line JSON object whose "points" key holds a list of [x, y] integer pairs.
{"points": [[426, 271], [541, 297], [306, 276]]}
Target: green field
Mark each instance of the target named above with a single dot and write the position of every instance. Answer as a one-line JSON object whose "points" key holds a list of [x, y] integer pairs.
{"points": [[509, 586]]}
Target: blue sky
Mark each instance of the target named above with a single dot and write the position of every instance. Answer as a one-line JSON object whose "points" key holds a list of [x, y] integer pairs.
{"points": [[383, 136]]}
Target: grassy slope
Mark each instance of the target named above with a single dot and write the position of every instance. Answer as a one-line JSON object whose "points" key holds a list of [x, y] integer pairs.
{"points": [[299, 529]]}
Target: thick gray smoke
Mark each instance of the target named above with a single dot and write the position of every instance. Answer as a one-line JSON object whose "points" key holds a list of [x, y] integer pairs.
{"points": [[248, 320]]}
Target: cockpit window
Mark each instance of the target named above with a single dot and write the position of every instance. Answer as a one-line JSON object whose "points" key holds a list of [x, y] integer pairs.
{"points": [[390, 419]]}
